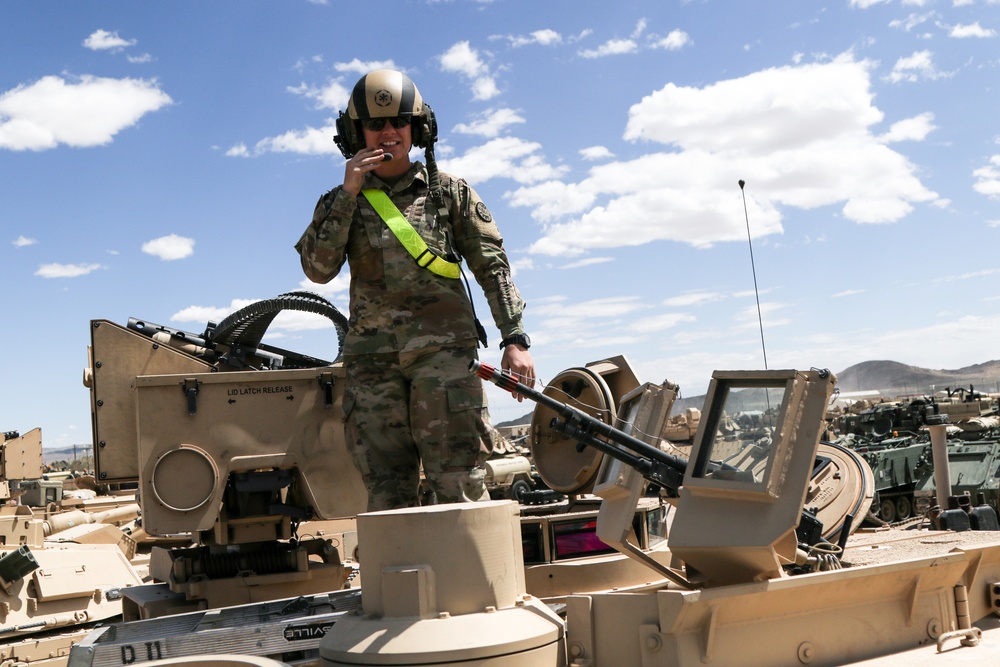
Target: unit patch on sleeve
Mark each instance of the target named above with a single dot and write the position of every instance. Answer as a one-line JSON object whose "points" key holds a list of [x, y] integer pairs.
{"points": [[483, 212]]}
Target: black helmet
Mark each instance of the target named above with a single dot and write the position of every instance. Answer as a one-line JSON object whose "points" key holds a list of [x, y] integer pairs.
{"points": [[384, 93]]}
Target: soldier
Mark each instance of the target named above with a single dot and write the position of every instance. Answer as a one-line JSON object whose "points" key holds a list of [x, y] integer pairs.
{"points": [[404, 228]]}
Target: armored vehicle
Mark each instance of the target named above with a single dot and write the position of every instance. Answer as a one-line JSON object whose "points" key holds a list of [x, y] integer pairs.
{"points": [[745, 550], [746, 585]]}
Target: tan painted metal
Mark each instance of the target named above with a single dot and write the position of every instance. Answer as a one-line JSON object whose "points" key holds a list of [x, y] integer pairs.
{"points": [[464, 604], [21, 456]]}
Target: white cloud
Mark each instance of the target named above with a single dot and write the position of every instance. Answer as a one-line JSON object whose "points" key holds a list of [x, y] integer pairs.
{"points": [[545, 37], [491, 123], [204, 314], [612, 47], [310, 141], [505, 157], [169, 247], [590, 261], [968, 275], [988, 178], [338, 287], [334, 95], [102, 40], [593, 153], [676, 40], [616, 47], [66, 270], [849, 292], [657, 323], [973, 30], [800, 135], [565, 323], [464, 60], [751, 317], [22, 241], [693, 299], [918, 66], [910, 129], [88, 112], [144, 58], [361, 67], [912, 21], [865, 4]]}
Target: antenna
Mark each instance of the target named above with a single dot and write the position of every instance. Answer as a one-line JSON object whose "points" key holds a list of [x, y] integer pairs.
{"points": [[760, 319]]}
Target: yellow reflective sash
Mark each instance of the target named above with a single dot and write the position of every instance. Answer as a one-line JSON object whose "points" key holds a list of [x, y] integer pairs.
{"points": [[409, 237]]}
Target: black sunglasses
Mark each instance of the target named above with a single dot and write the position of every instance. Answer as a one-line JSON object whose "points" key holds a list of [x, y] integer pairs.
{"points": [[376, 124]]}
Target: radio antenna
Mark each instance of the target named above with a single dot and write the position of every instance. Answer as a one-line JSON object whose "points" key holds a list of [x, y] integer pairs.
{"points": [[760, 319]]}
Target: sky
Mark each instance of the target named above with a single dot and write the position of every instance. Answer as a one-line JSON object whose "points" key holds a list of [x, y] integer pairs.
{"points": [[159, 160]]}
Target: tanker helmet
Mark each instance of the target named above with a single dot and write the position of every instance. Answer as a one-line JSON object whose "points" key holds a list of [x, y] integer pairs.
{"points": [[384, 93]]}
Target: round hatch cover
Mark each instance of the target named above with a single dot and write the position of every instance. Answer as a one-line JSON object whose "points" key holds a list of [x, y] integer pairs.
{"points": [[560, 465]]}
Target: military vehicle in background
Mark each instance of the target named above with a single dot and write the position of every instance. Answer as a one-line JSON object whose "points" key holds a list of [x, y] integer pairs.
{"points": [[62, 568], [892, 437]]}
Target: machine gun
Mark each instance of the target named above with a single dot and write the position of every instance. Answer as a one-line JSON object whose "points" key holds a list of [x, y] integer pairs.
{"points": [[235, 342], [231, 442], [737, 469], [656, 466]]}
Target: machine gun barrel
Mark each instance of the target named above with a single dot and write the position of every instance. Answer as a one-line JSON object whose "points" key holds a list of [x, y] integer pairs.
{"points": [[181, 337], [655, 465]]}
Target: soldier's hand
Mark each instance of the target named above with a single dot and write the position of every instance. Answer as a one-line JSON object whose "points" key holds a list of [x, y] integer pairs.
{"points": [[364, 161], [517, 360]]}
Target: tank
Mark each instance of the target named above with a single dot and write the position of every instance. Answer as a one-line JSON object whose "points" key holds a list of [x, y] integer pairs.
{"points": [[749, 581], [743, 546], [62, 570], [893, 438]]}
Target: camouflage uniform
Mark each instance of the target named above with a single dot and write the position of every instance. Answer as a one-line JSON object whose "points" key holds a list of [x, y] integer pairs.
{"points": [[409, 397]]}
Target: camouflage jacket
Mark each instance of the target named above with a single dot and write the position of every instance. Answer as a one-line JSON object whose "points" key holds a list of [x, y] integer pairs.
{"points": [[397, 306]]}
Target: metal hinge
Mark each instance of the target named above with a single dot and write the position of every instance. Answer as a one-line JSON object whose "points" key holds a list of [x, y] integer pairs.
{"points": [[326, 381], [190, 389]]}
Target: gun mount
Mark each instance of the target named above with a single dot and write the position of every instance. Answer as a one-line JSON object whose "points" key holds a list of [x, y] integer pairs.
{"points": [[231, 441], [753, 469]]}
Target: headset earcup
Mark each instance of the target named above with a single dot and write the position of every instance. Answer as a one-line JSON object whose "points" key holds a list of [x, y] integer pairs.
{"points": [[425, 128], [347, 139], [341, 137]]}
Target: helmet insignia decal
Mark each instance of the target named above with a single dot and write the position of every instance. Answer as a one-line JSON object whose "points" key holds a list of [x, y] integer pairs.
{"points": [[383, 98]]}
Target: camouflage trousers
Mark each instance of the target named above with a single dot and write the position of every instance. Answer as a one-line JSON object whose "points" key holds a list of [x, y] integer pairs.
{"points": [[405, 411]]}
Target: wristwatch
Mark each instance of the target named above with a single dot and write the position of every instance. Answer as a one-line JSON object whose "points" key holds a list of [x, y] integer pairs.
{"points": [[516, 339]]}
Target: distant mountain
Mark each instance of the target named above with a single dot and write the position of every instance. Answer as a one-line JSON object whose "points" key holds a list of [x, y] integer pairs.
{"points": [[68, 454], [893, 378], [889, 378]]}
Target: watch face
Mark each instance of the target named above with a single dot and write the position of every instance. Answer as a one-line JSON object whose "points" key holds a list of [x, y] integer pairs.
{"points": [[517, 339]]}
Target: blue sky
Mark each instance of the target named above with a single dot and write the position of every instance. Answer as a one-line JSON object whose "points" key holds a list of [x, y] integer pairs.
{"points": [[160, 160]]}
